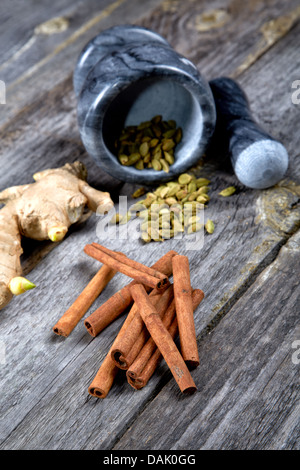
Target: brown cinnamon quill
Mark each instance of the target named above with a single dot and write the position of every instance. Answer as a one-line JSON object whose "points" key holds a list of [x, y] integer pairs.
{"points": [[127, 348], [128, 267], [76, 311], [122, 299], [184, 310], [143, 367], [163, 339]]}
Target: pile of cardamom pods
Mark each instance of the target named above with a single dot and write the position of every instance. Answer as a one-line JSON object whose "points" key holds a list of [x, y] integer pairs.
{"points": [[172, 208], [151, 144]]}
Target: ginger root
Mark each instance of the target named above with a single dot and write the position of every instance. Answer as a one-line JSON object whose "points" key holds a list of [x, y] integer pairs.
{"points": [[42, 210]]}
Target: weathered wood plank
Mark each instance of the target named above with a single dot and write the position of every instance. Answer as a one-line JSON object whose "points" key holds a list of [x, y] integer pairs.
{"points": [[223, 38], [30, 34], [44, 61], [45, 379], [248, 377], [193, 28]]}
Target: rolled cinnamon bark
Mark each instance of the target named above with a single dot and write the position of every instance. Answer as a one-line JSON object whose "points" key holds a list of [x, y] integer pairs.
{"points": [[127, 269], [107, 372], [163, 339], [139, 381], [122, 299], [130, 262], [184, 310], [104, 378], [143, 367], [128, 346], [73, 315]]}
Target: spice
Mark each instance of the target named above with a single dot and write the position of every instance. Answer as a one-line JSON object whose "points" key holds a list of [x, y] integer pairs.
{"points": [[118, 302], [150, 327], [104, 378], [144, 337], [73, 315], [227, 191], [209, 226], [151, 144], [184, 310], [163, 339], [127, 348], [139, 192], [116, 218], [133, 269], [168, 209], [108, 370], [149, 357]]}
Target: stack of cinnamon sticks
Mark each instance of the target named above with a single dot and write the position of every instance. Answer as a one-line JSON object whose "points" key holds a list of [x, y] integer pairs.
{"points": [[158, 311]]}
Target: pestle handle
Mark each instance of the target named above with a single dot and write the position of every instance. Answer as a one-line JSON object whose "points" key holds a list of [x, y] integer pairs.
{"points": [[259, 161]]}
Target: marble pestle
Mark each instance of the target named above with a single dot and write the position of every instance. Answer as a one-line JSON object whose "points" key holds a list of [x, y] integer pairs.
{"points": [[259, 161]]}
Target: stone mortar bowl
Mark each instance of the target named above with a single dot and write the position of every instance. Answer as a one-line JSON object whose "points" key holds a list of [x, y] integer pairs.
{"points": [[127, 75]]}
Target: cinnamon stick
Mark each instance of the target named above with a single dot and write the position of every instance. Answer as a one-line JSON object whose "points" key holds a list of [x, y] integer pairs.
{"points": [[163, 339], [125, 268], [139, 381], [143, 367], [76, 311], [127, 348], [122, 299], [107, 372], [184, 310], [104, 378], [134, 264]]}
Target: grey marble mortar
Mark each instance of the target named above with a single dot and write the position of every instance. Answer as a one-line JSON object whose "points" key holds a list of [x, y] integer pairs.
{"points": [[127, 75]]}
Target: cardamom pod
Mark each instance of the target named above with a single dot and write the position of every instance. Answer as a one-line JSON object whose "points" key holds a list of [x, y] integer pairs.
{"points": [[210, 226], [139, 192], [202, 182], [144, 148], [194, 228], [156, 165], [184, 178], [227, 191], [164, 165]]}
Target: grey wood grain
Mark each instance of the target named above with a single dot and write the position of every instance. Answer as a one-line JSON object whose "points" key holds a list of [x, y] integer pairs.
{"points": [[37, 62], [26, 39], [44, 379], [223, 37], [49, 60]]}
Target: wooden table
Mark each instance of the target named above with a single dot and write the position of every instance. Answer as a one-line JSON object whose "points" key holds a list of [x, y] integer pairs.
{"points": [[247, 327]]}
